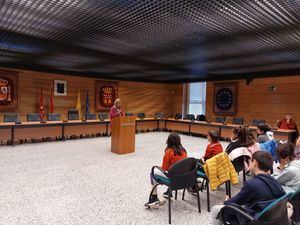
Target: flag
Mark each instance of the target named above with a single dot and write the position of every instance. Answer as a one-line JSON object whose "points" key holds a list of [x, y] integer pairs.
{"points": [[87, 104], [78, 105], [51, 106], [42, 106]]}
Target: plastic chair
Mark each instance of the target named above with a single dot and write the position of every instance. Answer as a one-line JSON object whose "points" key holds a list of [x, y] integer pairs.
{"points": [[53, 117], [90, 116], [295, 201], [220, 119], [274, 214], [33, 117], [182, 175], [201, 117], [103, 116], [178, 116], [255, 122], [73, 114], [9, 118], [189, 117], [159, 115], [238, 120], [141, 115]]}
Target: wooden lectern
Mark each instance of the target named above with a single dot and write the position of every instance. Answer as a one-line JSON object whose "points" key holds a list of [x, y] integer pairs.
{"points": [[123, 134]]}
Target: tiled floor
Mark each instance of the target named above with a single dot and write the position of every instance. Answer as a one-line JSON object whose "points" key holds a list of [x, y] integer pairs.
{"points": [[80, 182]]}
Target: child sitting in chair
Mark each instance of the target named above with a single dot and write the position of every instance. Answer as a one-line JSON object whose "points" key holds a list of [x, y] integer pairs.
{"points": [[174, 152]]}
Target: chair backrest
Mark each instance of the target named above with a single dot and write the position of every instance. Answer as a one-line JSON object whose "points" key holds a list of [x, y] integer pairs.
{"points": [[103, 116], [33, 117], [238, 120], [183, 174], [53, 117], [276, 212], [295, 201], [90, 116], [128, 114], [159, 115], [73, 116], [178, 116], [141, 115], [255, 122], [201, 117], [189, 117], [11, 118], [220, 119], [72, 111]]}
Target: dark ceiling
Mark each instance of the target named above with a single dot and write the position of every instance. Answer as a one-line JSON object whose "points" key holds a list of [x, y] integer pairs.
{"points": [[153, 40]]}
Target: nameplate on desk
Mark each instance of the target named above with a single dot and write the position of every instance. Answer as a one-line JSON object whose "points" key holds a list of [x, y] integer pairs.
{"points": [[127, 124]]}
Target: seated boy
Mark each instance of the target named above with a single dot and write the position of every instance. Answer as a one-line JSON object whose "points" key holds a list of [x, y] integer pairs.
{"points": [[256, 193]]}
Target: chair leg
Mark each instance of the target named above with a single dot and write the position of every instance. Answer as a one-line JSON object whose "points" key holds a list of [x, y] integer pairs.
{"points": [[208, 199], [176, 195], [244, 176], [229, 189], [151, 192], [169, 193], [183, 194], [198, 199]]}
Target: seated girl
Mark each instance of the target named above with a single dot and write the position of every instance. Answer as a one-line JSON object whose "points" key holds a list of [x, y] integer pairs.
{"points": [[238, 139], [289, 168], [214, 147], [174, 152], [263, 133]]}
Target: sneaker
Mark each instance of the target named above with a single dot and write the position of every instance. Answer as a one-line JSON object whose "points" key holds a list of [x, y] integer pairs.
{"points": [[154, 202], [166, 194]]}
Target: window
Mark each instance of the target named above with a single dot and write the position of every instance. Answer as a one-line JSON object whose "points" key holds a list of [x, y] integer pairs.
{"points": [[196, 100]]}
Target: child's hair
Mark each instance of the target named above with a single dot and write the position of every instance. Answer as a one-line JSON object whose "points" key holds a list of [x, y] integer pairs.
{"points": [[264, 160], [250, 139], [214, 135], [241, 134], [286, 150], [264, 127], [174, 142]]}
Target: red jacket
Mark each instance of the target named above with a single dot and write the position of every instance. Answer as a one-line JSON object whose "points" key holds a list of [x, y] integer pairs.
{"points": [[212, 149], [170, 158], [284, 125], [115, 112]]}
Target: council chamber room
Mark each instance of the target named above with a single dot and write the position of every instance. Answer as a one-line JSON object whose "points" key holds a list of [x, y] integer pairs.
{"points": [[149, 112]]}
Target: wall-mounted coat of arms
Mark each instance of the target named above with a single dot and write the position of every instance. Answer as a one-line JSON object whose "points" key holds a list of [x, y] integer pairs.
{"points": [[8, 91], [106, 94]]}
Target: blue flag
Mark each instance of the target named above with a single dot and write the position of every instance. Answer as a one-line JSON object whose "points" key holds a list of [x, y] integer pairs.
{"points": [[87, 104]]}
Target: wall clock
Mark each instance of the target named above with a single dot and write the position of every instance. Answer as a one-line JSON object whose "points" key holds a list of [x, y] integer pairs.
{"points": [[225, 98]]}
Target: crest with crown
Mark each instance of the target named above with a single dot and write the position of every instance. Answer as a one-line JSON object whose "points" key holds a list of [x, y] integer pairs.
{"points": [[107, 90], [3, 82]]}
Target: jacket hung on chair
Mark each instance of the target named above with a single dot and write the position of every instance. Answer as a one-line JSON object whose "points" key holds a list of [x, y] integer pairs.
{"points": [[219, 169]]}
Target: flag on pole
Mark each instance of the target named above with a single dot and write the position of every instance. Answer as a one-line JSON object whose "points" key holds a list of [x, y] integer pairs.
{"points": [[78, 105], [87, 103], [51, 106], [42, 106]]}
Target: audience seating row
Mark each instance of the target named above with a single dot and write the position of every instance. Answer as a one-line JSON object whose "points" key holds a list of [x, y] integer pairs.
{"points": [[74, 115], [35, 117]]}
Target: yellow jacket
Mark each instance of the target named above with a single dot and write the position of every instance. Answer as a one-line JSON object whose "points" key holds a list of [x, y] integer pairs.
{"points": [[219, 169]]}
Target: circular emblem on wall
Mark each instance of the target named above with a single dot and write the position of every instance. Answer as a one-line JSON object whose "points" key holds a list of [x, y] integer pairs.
{"points": [[224, 98]]}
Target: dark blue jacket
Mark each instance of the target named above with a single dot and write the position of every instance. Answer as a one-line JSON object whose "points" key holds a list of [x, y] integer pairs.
{"points": [[257, 193]]}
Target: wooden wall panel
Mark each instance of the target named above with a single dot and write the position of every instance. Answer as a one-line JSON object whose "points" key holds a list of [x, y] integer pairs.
{"points": [[136, 97], [255, 101]]}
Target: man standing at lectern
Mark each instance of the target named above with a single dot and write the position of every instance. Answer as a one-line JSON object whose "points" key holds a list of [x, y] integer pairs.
{"points": [[116, 110]]}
